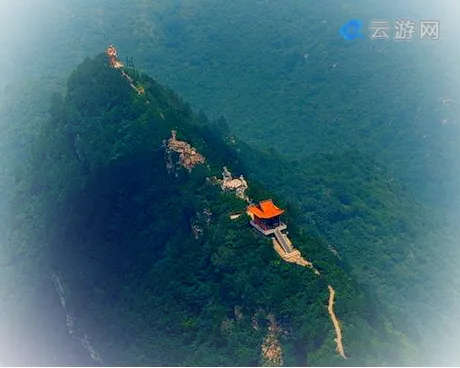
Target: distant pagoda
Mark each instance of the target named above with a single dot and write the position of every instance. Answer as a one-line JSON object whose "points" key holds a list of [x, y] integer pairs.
{"points": [[112, 54]]}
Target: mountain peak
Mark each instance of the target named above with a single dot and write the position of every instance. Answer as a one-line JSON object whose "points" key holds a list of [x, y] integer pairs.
{"points": [[142, 207]]}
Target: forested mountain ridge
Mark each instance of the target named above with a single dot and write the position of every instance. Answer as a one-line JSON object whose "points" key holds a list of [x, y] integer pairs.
{"points": [[405, 253], [275, 71], [371, 128], [92, 199]]}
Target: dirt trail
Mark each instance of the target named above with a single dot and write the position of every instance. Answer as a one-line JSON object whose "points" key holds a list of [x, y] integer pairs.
{"points": [[336, 323], [296, 257], [116, 64], [271, 349]]}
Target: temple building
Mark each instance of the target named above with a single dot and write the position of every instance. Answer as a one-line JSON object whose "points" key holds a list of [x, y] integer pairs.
{"points": [[265, 217]]}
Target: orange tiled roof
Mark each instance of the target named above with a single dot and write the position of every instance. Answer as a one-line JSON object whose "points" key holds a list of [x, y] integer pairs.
{"points": [[265, 209]]}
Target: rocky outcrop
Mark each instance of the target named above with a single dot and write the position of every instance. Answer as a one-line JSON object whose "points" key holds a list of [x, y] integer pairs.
{"points": [[239, 186], [272, 353], [189, 157], [200, 221], [72, 327]]}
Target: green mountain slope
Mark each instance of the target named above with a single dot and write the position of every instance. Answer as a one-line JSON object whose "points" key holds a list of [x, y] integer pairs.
{"points": [[269, 68], [93, 199], [278, 72], [403, 252]]}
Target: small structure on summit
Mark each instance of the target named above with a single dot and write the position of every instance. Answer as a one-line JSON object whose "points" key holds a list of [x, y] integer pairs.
{"points": [[112, 54], [265, 217], [116, 64]]}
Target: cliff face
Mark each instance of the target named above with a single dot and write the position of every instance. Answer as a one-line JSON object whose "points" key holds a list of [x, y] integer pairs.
{"points": [[153, 264]]}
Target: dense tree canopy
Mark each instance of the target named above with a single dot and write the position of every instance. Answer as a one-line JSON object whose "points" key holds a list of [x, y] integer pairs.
{"points": [[106, 214], [355, 140]]}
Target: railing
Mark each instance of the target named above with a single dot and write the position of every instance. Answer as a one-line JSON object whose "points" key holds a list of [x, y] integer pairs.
{"points": [[282, 226], [283, 240]]}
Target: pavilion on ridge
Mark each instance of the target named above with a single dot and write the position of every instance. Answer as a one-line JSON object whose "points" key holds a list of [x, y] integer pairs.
{"points": [[265, 217]]}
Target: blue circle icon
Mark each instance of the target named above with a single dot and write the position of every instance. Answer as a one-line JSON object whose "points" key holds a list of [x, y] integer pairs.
{"points": [[351, 30]]}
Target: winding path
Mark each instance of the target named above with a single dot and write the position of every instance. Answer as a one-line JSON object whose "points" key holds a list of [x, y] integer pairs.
{"points": [[296, 257], [336, 323], [281, 244]]}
